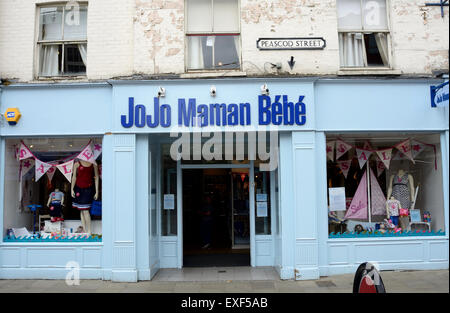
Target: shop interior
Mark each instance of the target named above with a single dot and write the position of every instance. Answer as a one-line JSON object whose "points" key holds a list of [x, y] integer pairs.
{"points": [[216, 221], [411, 182], [31, 211]]}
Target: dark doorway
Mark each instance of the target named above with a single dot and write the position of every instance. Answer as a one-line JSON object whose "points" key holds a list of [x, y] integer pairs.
{"points": [[208, 221]]}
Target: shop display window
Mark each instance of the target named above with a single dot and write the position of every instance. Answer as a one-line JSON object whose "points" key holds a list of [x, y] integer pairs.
{"points": [[384, 185], [52, 190]]}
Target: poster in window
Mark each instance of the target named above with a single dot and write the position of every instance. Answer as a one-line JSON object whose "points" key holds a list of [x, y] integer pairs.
{"points": [[337, 199]]}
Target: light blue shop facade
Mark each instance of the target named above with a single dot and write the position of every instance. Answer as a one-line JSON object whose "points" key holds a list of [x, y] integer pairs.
{"points": [[297, 239]]}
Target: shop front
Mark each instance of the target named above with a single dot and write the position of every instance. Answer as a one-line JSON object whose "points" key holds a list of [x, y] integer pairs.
{"points": [[312, 178]]}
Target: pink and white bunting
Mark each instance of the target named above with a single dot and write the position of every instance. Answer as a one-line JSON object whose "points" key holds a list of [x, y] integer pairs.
{"points": [[417, 147], [341, 148], [330, 150], [405, 148], [51, 172], [66, 169], [380, 168], [26, 166], [87, 154], [41, 168], [363, 156], [344, 166], [385, 156], [24, 152], [97, 148]]}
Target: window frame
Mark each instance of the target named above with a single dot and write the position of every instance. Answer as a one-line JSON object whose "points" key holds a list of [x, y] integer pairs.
{"points": [[62, 42], [188, 34], [363, 32]]}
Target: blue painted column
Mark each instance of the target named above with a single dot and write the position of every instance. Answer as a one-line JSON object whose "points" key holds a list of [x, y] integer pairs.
{"points": [[123, 206], [305, 205], [287, 205]]}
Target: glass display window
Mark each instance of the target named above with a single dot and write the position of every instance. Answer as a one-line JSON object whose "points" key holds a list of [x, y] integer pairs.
{"points": [[53, 190], [384, 185]]}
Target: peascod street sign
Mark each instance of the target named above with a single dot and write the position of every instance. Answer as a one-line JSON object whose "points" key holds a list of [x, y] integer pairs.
{"points": [[313, 43]]}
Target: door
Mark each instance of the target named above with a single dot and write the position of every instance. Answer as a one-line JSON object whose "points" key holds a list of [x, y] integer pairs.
{"points": [[152, 206], [251, 201]]}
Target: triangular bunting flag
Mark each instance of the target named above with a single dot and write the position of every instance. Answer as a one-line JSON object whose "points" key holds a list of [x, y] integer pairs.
{"points": [[26, 166], [97, 150], [367, 146], [24, 152], [66, 169], [344, 166], [363, 156], [405, 148], [416, 147], [330, 150], [385, 156], [380, 168], [41, 169], [341, 148], [87, 154], [377, 198], [51, 171], [358, 206]]}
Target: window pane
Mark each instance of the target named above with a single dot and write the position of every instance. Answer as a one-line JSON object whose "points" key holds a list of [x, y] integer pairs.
{"points": [[351, 49], [226, 16], [374, 44], [50, 60], [73, 61], [213, 52], [75, 23], [226, 52], [200, 54], [356, 176], [169, 187], [49, 187], [50, 23], [199, 17], [262, 203], [349, 14], [375, 17]]}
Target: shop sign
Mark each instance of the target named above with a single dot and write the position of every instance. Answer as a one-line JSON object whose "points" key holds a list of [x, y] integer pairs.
{"points": [[316, 43], [439, 95], [277, 110]]}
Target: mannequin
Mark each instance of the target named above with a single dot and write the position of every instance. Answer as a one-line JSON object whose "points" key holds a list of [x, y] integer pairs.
{"points": [[401, 187], [84, 190], [55, 203], [393, 210]]}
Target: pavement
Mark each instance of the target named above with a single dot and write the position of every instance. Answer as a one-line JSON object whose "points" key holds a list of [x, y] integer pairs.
{"points": [[394, 281]]}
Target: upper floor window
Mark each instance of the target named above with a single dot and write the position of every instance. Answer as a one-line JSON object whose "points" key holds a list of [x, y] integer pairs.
{"points": [[213, 34], [62, 40], [363, 33]]}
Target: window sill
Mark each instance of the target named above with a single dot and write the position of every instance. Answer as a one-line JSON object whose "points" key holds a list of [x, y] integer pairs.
{"points": [[61, 78], [201, 74], [368, 71]]}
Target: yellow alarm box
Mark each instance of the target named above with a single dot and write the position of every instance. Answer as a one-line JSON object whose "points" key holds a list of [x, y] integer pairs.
{"points": [[12, 116]]}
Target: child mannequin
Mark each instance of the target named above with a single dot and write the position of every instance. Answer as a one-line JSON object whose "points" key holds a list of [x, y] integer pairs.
{"points": [[393, 210], [55, 203]]}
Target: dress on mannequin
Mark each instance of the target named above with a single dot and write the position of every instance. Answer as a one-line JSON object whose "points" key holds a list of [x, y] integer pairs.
{"points": [[84, 190], [401, 190]]}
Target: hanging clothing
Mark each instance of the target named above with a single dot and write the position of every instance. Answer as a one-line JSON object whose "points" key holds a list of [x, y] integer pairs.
{"points": [[401, 190], [393, 207]]}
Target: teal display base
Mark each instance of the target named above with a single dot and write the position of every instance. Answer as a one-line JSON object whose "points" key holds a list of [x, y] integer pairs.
{"points": [[387, 234]]}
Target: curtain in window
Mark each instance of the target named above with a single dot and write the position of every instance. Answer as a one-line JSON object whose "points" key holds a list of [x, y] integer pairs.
{"points": [[351, 49], [49, 60], [83, 53], [195, 53], [381, 40]]}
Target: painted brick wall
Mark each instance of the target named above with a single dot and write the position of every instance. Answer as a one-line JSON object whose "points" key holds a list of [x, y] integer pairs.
{"points": [[145, 37]]}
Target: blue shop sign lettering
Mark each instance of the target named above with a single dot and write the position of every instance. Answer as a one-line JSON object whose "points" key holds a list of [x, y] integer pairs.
{"points": [[276, 111]]}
